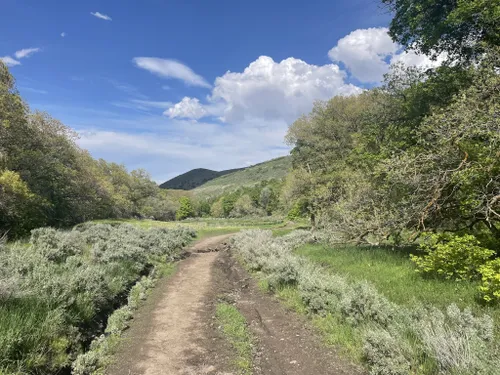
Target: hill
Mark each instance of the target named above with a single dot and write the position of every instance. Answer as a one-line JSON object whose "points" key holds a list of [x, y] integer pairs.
{"points": [[269, 170], [194, 178]]}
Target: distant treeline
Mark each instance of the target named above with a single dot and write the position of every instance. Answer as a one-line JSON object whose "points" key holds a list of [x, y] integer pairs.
{"points": [[47, 180]]}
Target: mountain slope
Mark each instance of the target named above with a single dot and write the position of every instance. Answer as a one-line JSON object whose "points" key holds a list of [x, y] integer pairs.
{"points": [[194, 178], [269, 170]]}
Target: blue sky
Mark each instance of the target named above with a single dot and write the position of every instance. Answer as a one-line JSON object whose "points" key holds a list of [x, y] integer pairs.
{"points": [[173, 85]]}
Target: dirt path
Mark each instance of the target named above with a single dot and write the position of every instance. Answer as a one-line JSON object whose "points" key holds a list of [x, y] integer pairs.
{"points": [[167, 333], [175, 333]]}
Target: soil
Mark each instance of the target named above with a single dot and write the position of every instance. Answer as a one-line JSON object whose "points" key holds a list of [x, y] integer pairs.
{"points": [[175, 332]]}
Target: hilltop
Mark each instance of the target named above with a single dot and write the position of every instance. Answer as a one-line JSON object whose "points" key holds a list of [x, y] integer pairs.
{"points": [[194, 178], [269, 170]]}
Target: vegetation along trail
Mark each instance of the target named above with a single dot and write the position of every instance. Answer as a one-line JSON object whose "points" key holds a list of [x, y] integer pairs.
{"points": [[176, 332]]}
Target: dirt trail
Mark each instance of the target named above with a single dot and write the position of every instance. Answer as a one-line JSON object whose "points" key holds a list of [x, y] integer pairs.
{"points": [[175, 332], [164, 337]]}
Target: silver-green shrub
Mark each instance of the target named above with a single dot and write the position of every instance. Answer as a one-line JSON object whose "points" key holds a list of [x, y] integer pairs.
{"points": [[397, 340], [81, 274]]}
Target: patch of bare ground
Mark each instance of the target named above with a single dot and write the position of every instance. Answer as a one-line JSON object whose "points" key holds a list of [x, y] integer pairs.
{"points": [[175, 332]]}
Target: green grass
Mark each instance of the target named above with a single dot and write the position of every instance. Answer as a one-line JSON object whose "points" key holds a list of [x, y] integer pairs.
{"points": [[234, 327], [207, 227], [393, 274]]}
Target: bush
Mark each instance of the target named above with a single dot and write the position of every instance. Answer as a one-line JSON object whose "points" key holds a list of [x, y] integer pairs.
{"points": [[56, 290], [397, 340], [452, 257], [490, 281], [385, 353]]}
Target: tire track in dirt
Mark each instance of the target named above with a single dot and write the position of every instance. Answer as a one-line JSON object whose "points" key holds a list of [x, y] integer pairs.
{"points": [[175, 333], [286, 342]]}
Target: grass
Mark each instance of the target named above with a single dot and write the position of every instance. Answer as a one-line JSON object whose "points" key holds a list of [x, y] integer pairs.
{"points": [[393, 274], [208, 227], [234, 328]]}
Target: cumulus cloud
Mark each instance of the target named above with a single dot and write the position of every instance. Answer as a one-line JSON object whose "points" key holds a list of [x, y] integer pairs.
{"points": [[187, 108], [411, 58], [101, 16], [172, 69], [268, 90], [9, 61], [368, 54], [364, 53], [27, 52]]}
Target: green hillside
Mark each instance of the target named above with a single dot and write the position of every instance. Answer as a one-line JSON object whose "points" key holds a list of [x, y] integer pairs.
{"points": [[194, 178], [272, 169]]}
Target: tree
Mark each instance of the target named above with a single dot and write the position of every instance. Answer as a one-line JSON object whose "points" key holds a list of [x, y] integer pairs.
{"points": [[185, 210], [244, 207], [217, 209], [462, 28]]}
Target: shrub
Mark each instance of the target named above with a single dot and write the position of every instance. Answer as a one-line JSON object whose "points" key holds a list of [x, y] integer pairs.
{"points": [[385, 353], [452, 257], [362, 303], [55, 290], [490, 281], [420, 340]]}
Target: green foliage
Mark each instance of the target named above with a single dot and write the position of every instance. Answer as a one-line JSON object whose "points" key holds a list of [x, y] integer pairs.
{"points": [[490, 281], [46, 179], [185, 210], [462, 28], [452, 257], [297, 211], [57, 290], [397, 339]]}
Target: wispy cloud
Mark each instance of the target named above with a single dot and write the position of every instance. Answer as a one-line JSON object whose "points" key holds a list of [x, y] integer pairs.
{"points": [[142, 105], [26, 52], [168, 68], [63, 34], [9, 61], [153, 104], [35, 91], [101, 16], [126, 88]]}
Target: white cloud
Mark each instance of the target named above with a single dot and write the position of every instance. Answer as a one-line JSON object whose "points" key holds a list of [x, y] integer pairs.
{"points": [[172, 69], [166, 150], [368, 53], [63, 34], [27, 52], [9, 61], [422, 61], [268, 90], [187, 108], [101, 16], [364, 53]]}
